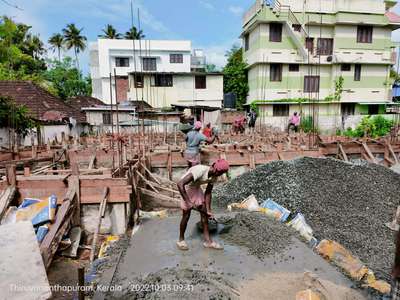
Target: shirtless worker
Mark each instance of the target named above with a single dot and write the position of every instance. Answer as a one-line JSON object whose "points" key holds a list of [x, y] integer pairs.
{"points": [[193, 197], [194, 139]]}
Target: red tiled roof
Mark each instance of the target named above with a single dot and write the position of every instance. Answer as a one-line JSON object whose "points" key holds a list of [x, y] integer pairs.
{"points": [[393, 17], [77, 103], [42, 105]]}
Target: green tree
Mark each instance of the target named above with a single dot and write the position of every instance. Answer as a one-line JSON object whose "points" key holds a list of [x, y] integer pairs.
{"points": [[74, 39], [134, 34], [57, 43], [235, 76], [20, 51], [211, 68], [66, 80], [15, 116], [109, 32]]}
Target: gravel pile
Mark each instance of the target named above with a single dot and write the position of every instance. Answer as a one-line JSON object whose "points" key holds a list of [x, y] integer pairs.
{"points": [[262, 235], [341, 201], [174, 283]]}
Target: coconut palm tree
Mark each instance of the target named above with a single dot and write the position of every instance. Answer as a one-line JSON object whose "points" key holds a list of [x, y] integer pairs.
{"points": [[35, 46], [57, 43], [74, 39], [134, 34], [110, 33]]}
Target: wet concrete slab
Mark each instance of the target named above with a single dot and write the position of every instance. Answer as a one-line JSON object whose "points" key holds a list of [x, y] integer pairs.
{"points": [[153, 248]]}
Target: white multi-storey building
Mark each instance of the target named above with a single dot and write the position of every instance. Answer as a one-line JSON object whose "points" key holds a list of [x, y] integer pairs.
{"points": [[159, 72]]}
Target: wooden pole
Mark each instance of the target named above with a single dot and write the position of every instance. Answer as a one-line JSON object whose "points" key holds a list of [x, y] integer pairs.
{"points": [[81, 283], [102, 210]]}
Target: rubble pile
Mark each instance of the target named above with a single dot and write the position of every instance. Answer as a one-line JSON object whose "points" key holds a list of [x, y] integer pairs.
{"points": [[259, 233], [341, 201]]}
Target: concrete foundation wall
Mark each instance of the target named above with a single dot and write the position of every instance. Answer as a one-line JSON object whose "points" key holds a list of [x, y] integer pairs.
{"points": [[115, 221]]}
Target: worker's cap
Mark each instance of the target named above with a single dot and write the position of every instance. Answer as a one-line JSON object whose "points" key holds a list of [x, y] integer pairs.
{"points": [[221, 166], [198, 125]]}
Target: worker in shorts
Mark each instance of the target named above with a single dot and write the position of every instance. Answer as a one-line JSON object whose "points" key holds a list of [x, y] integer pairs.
{"points": [[396, 271], [194, 139], [193, 197]]}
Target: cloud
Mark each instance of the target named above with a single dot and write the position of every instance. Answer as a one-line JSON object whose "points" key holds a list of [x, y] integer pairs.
{"points": [[207, 5], [114, 11], [236, 10], [215, 53]]}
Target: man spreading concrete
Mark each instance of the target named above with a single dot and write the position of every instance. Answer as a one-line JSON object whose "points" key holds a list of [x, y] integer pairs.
{"points": [[194, 139], [193, 197]]}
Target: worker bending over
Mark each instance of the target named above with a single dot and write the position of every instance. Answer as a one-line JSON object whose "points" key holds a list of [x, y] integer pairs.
{"points": [[294, 122], [194, 139], [193, 197]]}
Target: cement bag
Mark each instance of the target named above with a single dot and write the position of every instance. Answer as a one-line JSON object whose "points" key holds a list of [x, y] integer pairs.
{"points": [[379, 285], [250, 204], [280, 213], [37, 211], [299, 223], [41, 232], [342, 258]]}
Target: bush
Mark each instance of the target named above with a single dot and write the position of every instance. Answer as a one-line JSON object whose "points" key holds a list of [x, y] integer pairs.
{"points": [[370, 127], [307, 124]]}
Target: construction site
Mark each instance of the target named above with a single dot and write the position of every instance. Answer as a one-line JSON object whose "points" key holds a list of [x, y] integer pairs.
{"points": [[161, 185], [112, 231]]}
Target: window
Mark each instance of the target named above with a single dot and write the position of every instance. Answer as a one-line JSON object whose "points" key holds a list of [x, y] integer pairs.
{"points": [[200, 82], [107, 118], [275, 32], [311, 84], [364, 34], [348, 109], [296, 27], [246, 42], [325, 46], [138, 81], [357, 72], [122, 61], [345, 67], [162, 80], [310, 45], [176, 58], [275, 72], [280, 110], [373, 109], [294, 68], [149, 64]]}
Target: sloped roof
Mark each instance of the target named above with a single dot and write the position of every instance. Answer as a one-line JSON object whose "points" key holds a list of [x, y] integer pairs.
{"points": [[79, 102], [42, 105]]}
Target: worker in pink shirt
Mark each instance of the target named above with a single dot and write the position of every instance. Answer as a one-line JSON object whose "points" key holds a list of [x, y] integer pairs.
{"points": [[294, 122]]}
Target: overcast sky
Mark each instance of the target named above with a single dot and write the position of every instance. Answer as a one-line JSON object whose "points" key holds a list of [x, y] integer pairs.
{"points": [[213, 25]]}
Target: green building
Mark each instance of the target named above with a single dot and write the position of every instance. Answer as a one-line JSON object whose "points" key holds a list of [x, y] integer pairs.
{"points": [[327, 58]]}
